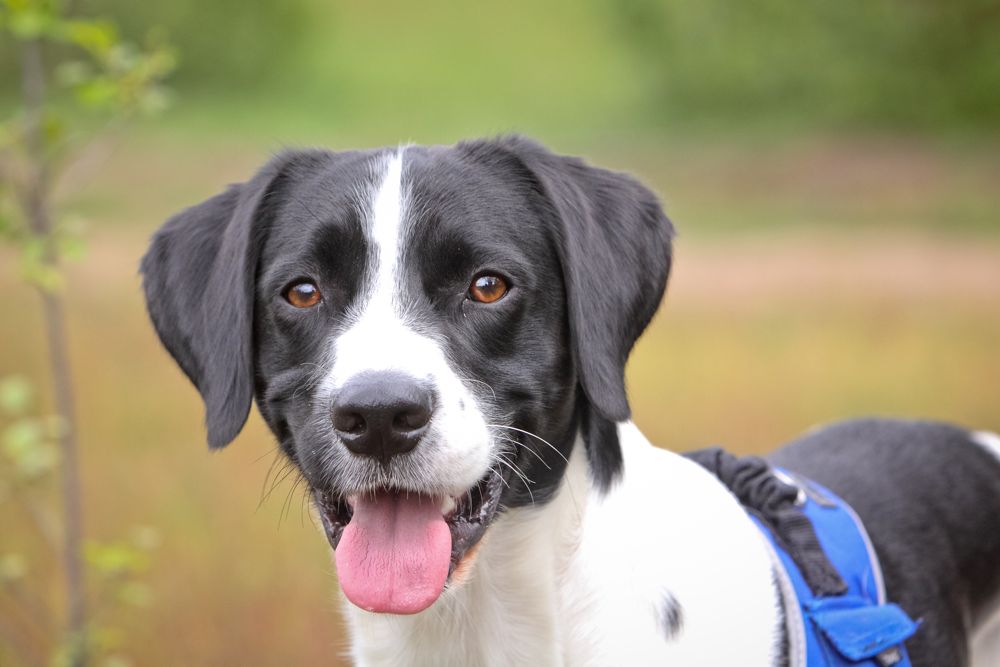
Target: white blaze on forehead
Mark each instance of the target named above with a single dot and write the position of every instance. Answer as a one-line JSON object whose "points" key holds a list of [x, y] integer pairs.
{"points": [[379, 337], [386, 223]]}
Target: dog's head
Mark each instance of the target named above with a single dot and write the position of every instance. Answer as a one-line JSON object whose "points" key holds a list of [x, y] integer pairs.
{"points": [[425, 330]]}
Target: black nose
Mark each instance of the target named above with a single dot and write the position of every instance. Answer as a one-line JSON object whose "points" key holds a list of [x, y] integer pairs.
{"points": [[382, 414]]}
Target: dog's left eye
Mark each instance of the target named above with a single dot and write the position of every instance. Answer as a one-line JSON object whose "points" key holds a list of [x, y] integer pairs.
{"points": [[487, 288], [303, 294]]}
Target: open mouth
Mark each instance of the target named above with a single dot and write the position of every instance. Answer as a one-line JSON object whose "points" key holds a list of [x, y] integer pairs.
{"points": [[396, 549]]}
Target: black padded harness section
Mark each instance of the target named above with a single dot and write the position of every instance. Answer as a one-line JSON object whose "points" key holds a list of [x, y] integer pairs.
{"points": [[754, 484]]}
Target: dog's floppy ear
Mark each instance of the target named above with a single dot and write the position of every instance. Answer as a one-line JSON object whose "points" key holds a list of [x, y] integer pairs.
{"points": [[615, 249], [198, 275]]}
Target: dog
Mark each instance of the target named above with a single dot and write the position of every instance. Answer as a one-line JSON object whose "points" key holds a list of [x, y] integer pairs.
{"points": [[437, 338]]}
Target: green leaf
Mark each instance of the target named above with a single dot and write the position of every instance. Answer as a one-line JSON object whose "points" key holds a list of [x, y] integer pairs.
{"points": [[35, 267], [98, 92], [41, 274], [15, 394], [29, 22], [22, 435], [71, 248], [114, 558], [96, 37], [25, 445]]}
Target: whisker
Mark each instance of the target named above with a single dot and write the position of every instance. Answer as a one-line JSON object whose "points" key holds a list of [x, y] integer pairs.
{"points": [[527, 482], [521, 430], [498, 474], [526, 448], [267, 477], [286, 507], [515, 468], [287, 469], [482, 383]]}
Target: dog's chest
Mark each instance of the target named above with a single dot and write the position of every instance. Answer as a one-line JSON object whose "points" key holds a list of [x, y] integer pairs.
{"points": [[602, 579]]}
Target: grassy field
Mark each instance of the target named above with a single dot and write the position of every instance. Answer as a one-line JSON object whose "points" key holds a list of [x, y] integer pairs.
{"points": [[814, 280]]}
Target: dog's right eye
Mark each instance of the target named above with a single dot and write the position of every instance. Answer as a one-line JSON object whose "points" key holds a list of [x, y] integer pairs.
{"points": [[303, 294], [487, 288]]}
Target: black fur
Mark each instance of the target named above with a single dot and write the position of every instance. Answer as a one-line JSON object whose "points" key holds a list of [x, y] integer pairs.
{"points": [[587, 253], [930, 500], [586, 250], [670, 617], [614, 244], [199, 283]]}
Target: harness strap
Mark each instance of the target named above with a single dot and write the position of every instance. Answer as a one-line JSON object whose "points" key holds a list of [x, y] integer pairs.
{"points": [[776, 504], [826, 569]]}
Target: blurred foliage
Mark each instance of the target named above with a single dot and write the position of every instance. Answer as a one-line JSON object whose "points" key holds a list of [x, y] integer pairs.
{"points": [[898, 63], [100, 78], [915, 65], [26, 442], [225, 43], [115, 568], [133, 19]]}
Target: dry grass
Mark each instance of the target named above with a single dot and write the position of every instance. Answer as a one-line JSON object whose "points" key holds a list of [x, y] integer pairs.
{"points": [[760, 337]]}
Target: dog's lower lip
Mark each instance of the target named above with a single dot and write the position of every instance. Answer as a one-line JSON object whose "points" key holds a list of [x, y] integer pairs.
{"points": [[473, 515], [467, 516]]}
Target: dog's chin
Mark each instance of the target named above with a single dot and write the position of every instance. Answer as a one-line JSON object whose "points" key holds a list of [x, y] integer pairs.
{"points": [[397, 549]]}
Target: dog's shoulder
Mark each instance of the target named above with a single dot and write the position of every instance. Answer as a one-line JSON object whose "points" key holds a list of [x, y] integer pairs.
{"points": [[656, 556]]}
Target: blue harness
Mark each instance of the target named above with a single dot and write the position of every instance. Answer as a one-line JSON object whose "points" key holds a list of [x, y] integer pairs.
{"points": [[828, 572]]}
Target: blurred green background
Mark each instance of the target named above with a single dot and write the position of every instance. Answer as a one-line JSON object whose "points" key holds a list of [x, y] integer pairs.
{"points": [[833, 169]]}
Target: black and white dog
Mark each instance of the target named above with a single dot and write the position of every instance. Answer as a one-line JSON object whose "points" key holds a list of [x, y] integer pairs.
{"points": [[437, 338]]}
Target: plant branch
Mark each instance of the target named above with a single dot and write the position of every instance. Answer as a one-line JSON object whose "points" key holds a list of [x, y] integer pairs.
{"points": [[40, 223]]}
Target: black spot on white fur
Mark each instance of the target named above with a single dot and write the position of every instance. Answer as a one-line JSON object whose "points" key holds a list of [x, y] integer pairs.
{"points": [[670, 617]]}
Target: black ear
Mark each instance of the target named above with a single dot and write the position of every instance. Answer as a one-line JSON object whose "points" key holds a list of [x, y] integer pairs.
{"points": [[615, 248], [199, 275]]}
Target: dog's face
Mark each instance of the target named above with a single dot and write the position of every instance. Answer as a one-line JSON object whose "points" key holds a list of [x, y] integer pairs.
{"points": [[426, 331]]}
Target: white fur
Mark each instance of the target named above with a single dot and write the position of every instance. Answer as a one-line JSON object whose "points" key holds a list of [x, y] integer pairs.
{"points": [[456, 452], [986, 642], [578, 581], [990, 441], [986, 637]]}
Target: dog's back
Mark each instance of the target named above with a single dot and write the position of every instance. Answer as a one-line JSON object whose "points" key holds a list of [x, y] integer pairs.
{"points": [[929, 496]]}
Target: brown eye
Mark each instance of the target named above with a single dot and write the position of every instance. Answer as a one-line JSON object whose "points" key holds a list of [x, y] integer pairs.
{"points": [[303, 295], [487, 289]]}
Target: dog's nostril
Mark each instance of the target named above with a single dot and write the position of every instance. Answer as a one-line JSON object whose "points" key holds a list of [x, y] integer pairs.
{"points": [[411, 419], [348, 421]]}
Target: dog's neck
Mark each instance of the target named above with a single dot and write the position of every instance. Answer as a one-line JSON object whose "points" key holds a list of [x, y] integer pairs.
{"points": [[504, 610], [641, 573]]}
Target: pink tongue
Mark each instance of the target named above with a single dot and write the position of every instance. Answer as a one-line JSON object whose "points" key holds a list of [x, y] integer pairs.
{"points": [[394, 554]]}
